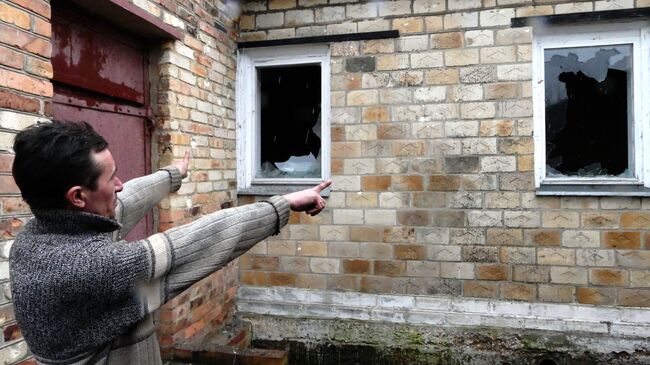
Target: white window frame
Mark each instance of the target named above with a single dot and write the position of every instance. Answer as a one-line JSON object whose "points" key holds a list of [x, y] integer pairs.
{"points": [[634, 33], [248, 114]]}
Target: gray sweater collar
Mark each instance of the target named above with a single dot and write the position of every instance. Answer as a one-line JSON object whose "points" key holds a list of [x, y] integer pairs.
{"points": [[72, 221]]}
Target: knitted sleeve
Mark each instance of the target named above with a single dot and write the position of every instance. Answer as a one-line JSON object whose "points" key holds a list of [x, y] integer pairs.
{"points": [[141, 194], [183, 255], [74, 293]]}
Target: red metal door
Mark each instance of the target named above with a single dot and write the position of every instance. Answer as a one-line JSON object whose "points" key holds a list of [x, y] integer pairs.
{"points": [[100, 76]]}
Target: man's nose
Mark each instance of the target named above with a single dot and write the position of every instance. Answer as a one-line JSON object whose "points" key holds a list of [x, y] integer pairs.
{"points": [[118, 185]]}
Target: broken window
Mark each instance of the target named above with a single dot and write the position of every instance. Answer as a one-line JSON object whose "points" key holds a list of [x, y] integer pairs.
{"points": [[283, 108], [290, 121], [587, 120], [590, 116]]}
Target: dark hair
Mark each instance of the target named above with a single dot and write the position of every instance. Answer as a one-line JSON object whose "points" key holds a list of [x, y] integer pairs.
{"points": [[53, 157]]}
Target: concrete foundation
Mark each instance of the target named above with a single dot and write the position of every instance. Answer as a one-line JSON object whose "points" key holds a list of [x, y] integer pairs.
{"points": [[312, 341], [321, 327]]}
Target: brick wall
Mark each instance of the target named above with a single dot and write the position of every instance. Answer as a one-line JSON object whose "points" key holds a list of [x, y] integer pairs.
{"points": [[432, 162], [195, 107], [193, 88], [25, 97]]}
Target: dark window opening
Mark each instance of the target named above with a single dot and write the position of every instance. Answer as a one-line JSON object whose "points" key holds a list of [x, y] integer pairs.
{"points": [[588, 95], [290, 119]]}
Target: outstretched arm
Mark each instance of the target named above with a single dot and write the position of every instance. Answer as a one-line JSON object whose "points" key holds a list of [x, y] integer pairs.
{"points": [[185, 254], [141, 194]]}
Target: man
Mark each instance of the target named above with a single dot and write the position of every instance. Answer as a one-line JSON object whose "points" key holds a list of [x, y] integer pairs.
{"points": [[80, 296]]}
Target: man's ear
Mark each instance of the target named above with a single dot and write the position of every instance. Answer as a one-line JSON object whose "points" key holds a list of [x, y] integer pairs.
{"points": [[76, 197]]}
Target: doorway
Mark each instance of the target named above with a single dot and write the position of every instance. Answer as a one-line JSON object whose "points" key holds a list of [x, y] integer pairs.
{"points": [[101, 77]]}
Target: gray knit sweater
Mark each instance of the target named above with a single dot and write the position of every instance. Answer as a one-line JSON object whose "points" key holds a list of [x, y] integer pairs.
{"points": [[82, 297]]}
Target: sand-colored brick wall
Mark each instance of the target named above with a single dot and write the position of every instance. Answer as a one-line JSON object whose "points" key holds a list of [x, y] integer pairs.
{"points": [[432, 163], [195, 110]]}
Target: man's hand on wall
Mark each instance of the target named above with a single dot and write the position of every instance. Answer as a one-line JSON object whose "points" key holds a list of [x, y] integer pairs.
{"points": [[182, 164], [308, 200]]}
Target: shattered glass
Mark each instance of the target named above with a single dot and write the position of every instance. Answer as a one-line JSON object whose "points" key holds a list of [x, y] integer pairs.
{"points": [[588, 92], [290, 122]]}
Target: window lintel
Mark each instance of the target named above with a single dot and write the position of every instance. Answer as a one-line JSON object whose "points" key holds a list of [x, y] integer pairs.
{"points": [[581, 18], [329, 38]]}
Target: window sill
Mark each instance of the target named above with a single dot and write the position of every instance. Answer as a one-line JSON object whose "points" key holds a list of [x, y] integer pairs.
{"points": [[269, 190], [592, 190]]}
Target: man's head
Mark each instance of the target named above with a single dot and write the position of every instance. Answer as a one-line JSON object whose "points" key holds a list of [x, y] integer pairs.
{"points": [[66, 165]]}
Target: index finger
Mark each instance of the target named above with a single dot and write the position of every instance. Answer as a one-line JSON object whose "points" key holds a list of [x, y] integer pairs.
{"points": [[186, 158], [322, 186]]}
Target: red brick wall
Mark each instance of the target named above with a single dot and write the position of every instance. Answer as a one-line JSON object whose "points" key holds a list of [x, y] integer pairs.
{"points": [[199, 310], [193, 88]]}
